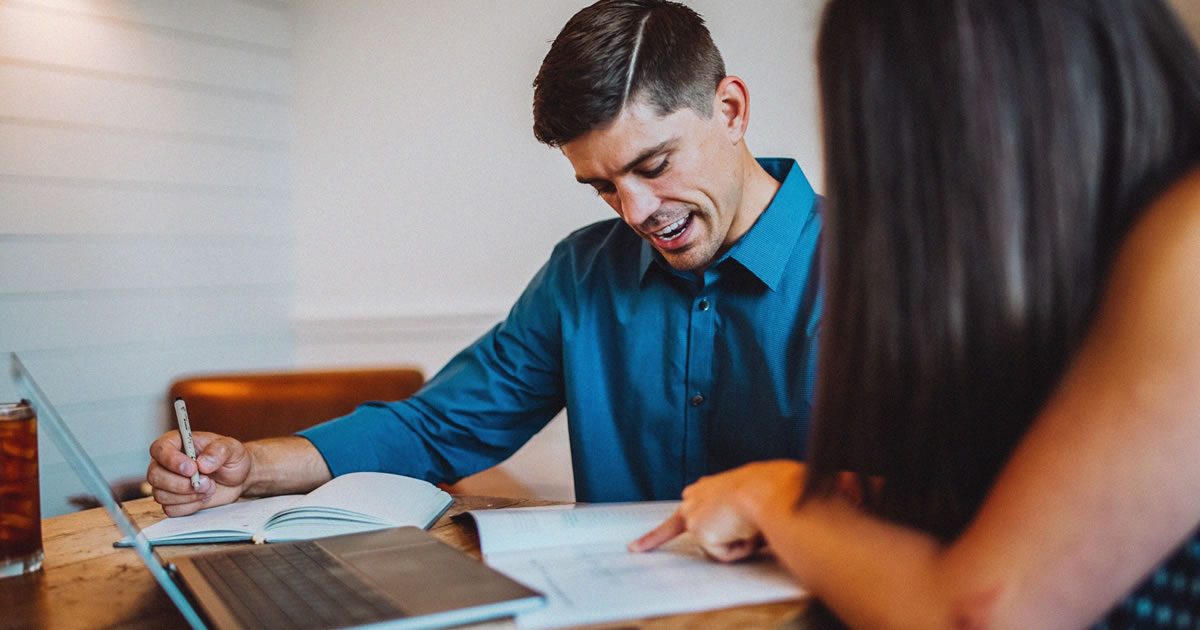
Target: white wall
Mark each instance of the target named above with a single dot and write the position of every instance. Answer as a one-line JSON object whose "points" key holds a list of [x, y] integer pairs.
{"points": [[145, 224]]}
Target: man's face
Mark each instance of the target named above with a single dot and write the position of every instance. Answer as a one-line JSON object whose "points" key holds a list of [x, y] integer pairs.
{"points": [[674, 179]]}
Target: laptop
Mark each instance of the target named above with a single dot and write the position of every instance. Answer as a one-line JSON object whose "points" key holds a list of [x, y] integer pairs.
{"points": [[403, 578]]}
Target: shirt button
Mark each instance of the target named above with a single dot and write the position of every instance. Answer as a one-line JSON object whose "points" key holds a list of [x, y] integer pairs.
{"points": [[703, 305], [697, 400]]}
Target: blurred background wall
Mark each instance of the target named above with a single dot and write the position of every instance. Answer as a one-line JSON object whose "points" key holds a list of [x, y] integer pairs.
{"points": [[146, 224], [191, 187]]}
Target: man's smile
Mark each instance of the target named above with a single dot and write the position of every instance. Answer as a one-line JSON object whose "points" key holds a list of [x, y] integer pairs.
{"points": [[674, 235], [673, 230]]}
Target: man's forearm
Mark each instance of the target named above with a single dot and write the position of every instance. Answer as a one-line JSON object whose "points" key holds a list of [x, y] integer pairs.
{"points": [[285, 465]]}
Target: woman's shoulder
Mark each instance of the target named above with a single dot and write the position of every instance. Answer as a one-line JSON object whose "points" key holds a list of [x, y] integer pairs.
{"points": [[1178, 207], [1168, 231]]}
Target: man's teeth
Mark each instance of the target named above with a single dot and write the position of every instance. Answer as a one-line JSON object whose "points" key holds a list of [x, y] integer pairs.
{"points": [[672, 231]]}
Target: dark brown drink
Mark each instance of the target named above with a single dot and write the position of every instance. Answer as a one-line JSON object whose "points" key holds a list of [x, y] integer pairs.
{"points": [[20, 501]]}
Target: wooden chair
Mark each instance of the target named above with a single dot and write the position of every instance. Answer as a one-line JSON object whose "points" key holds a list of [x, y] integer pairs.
{"points": [[249, 406]]}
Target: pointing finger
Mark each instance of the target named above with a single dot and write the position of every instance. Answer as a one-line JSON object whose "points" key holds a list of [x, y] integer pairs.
{"points": [[670, 528]]}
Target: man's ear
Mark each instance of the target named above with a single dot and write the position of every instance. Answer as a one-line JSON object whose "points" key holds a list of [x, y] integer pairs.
{"points": [[731, 107]]}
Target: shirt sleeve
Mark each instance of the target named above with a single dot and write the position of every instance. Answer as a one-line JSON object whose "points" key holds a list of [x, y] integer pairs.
{"points": [[479, 409]]}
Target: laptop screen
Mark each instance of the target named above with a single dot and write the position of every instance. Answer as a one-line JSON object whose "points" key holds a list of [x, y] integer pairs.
{"points": [[51, 423]]}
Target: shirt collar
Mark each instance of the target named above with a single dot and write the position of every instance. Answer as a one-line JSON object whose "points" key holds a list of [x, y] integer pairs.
{"points": [[765, 248]]}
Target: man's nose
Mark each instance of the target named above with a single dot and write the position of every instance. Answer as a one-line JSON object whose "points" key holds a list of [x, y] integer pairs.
{"points": [[638, 203]]}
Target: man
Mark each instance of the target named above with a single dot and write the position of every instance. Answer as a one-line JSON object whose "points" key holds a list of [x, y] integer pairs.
{"points": [[681, 338]]}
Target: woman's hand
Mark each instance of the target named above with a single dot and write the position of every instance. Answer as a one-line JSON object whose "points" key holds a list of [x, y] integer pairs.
{"points": [[722, 510]]}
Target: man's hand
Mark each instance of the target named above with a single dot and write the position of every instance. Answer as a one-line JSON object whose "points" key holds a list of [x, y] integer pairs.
{"points": [[721, 510], [223, 462]]}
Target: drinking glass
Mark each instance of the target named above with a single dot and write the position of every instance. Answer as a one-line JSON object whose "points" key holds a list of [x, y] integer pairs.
{"points": [[20, 501]]}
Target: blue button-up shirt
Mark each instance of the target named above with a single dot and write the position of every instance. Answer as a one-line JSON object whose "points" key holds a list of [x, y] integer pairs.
{"points": [[665, 376]]}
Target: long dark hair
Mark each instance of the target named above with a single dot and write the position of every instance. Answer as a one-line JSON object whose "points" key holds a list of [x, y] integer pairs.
{"points": [[984, 159]]}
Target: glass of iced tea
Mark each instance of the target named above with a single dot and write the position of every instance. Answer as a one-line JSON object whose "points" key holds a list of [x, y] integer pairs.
{"points": [[20, 501]]}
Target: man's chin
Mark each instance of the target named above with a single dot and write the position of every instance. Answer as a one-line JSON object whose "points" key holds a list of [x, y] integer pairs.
{"points": [[688, 259]]}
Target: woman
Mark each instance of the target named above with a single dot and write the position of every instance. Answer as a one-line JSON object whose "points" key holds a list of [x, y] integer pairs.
{"points": [[1010, 364]]}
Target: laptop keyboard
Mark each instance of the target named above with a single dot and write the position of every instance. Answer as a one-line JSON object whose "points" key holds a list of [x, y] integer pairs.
{"points": [[292, 585]]}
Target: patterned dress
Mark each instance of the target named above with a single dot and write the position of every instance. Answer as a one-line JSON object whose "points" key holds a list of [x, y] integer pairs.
{"points": [[1168, 600]]}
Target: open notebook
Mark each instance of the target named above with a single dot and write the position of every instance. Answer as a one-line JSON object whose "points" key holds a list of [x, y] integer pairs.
{"points": [[347, 504], [389, 578]]}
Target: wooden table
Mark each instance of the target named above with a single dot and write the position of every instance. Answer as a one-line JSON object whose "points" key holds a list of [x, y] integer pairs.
{"points": [[87, 583]]}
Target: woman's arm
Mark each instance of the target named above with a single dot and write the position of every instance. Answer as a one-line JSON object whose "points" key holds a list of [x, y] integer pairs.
{"points": [[1105, 484]]}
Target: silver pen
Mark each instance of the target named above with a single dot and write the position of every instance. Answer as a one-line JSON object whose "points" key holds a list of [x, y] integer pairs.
{"points": [[185, 432]]}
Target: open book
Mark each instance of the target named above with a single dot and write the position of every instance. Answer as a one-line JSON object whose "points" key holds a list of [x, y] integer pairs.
{"points": [[576, 555], [354, 502]]}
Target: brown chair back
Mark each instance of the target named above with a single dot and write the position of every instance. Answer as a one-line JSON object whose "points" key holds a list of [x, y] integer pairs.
{"points": [[250, 406]]}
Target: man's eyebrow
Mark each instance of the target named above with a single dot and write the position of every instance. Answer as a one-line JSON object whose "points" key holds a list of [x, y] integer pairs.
{"points": [[641, 157]]}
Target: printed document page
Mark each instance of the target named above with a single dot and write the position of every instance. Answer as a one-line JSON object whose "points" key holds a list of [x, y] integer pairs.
{"points": [[576, 556]]}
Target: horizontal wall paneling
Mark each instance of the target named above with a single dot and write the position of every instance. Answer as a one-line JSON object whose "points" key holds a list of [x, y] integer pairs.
{"points": [[85, 43], [146, 228]]}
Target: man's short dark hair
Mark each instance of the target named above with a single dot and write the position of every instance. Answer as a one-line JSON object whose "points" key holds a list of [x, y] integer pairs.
{"points": [[616, 51]]}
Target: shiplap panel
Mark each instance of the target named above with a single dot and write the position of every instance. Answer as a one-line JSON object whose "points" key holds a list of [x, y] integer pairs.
{"points": [[425, 339], [76, 263], [100, 373], [80, 43], [105, 427], [59, 481], [47, 151], [56, 206], [265, 25], [47, 95], [145, 213], [115, 435], [81, 319]]}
